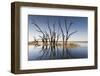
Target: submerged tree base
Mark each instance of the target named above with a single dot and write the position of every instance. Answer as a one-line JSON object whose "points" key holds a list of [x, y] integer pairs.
{"points": [[59, 44]]}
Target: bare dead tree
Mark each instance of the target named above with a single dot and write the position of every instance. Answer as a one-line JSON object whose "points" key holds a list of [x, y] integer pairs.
{"points": [[35, 41], [46, 37], [63, 36], [40, 30], [54, 33], [50, 33], [68, 35], [57, 36]]}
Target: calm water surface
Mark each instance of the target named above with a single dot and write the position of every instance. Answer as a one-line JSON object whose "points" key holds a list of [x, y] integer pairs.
{"points": [[50, 53]]}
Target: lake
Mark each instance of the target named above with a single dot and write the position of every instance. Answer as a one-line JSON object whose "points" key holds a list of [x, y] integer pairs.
{"points": [[51, 53]]}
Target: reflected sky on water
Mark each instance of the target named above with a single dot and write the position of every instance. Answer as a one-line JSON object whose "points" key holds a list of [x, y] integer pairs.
{"points": [[51, 53]]}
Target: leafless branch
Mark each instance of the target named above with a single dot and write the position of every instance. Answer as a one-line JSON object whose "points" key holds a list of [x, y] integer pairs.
{"points": [[61, 28], [71, 34], [39, 29], [70, 26]]}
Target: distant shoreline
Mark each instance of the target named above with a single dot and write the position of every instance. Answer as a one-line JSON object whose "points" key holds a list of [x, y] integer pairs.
{"points": [[30, 42]]}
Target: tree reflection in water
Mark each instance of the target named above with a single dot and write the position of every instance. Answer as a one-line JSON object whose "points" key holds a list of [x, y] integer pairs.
{"points": [[54, 52]]}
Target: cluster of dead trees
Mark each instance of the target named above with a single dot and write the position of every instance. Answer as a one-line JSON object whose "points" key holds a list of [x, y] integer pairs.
{"points": [[53, 35]]}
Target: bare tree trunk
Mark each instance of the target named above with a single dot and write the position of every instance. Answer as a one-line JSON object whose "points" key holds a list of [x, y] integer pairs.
{"points": [[68, 35], [63, 40]]}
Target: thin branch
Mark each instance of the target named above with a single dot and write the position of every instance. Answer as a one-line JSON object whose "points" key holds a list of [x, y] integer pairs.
{"points": [[66, 27], [54, 26], [71, 34], [47, 35], [69, 26], [58, 37], [38, 28], [61, 28], [40, 36], [49, 26]]}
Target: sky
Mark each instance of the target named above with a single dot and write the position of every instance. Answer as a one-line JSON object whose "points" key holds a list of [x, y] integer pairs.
{"points": [[80, 24]]}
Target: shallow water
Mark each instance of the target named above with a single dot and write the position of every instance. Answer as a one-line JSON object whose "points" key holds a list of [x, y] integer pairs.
{"points": [[50, 53]]}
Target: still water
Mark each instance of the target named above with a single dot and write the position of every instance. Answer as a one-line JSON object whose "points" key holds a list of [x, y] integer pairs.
{"points": [[50, 53]]}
